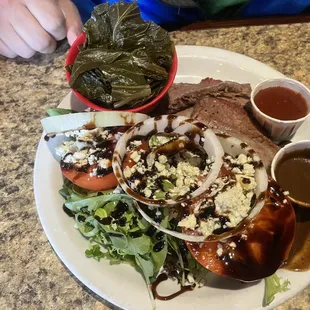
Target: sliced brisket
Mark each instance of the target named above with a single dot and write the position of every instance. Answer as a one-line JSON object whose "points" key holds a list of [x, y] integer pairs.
{"points": [[184, 95]]}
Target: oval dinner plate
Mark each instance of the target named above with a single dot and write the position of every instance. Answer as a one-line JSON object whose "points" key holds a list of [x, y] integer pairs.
{"points": [[121, 284]]}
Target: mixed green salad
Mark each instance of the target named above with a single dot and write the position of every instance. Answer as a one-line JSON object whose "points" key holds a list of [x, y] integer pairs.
{"points": [[117, 232]]}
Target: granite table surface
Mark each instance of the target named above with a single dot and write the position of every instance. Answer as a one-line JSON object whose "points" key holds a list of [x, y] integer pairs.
{"points": [[31, 274]]}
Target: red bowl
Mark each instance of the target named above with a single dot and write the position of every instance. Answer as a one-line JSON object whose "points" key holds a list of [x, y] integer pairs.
{"points": [[146, 108]]}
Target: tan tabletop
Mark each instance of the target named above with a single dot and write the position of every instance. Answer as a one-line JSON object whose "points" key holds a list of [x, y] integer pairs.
{"points": [[31, 275]]}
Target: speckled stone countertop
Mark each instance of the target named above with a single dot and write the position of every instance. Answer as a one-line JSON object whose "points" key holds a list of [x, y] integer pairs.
{"points": [[31, 275]]}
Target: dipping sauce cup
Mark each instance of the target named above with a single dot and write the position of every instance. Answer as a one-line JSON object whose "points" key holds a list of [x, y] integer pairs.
{"points": [[282, 129], [291, 169]]}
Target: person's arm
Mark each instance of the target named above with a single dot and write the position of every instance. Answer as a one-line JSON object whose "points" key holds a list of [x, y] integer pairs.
{"points": [[30, 26]]}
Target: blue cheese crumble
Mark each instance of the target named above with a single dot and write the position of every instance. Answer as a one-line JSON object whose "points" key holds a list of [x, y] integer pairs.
{"points": [[228, 200], [163, 176], [85, 150]]}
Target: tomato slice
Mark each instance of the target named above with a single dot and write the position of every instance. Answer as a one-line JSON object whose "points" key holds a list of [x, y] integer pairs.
{"points": [[93, 183], [104, 150], [260, 248]]}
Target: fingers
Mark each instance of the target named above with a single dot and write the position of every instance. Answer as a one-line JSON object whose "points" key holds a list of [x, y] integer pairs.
{"points": [[50, 16], [30, 30], [6, 51], [14, 42], [73, 20], [30, 25]]}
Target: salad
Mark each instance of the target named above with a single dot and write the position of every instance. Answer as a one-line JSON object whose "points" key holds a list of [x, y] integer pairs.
{"points": [[168, 241], [165, 166], [236, 196], [166, 160]]}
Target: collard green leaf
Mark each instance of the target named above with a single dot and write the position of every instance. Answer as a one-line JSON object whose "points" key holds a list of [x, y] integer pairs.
{"points": [[131, 32], [97, 55], [98, 28], [123, 72], [125, 60], [92, 85], [91, 59], [148, 67], [128, 94]]}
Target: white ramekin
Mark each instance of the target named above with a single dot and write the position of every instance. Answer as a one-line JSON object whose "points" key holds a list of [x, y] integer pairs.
{"points": [[279, 129], [300, 145]]}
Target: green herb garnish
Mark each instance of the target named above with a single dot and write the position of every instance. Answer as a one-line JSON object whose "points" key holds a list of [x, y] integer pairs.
{"points": [[158, 140], [167, 185], [58, 111], [273, 287]]}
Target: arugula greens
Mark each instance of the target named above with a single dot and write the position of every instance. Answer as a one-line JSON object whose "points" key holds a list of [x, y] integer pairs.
{"points": [[273, 287], [124, 61], [116, 230], [182, 266]]}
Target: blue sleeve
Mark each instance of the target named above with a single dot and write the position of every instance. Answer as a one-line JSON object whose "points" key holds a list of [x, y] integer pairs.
{"points": [[85, 8], [275, 7], [154, 10], [164, 14]]}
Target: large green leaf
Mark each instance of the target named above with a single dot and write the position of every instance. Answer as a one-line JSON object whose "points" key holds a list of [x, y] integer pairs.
{"points": [[131, 32], [97, 28]]}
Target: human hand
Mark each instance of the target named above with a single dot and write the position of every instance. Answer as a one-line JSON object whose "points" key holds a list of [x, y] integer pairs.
{"points": [[30, 26]]}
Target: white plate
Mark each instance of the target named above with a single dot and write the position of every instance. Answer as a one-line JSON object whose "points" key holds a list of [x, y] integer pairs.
{"points": [[122, 285]]}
